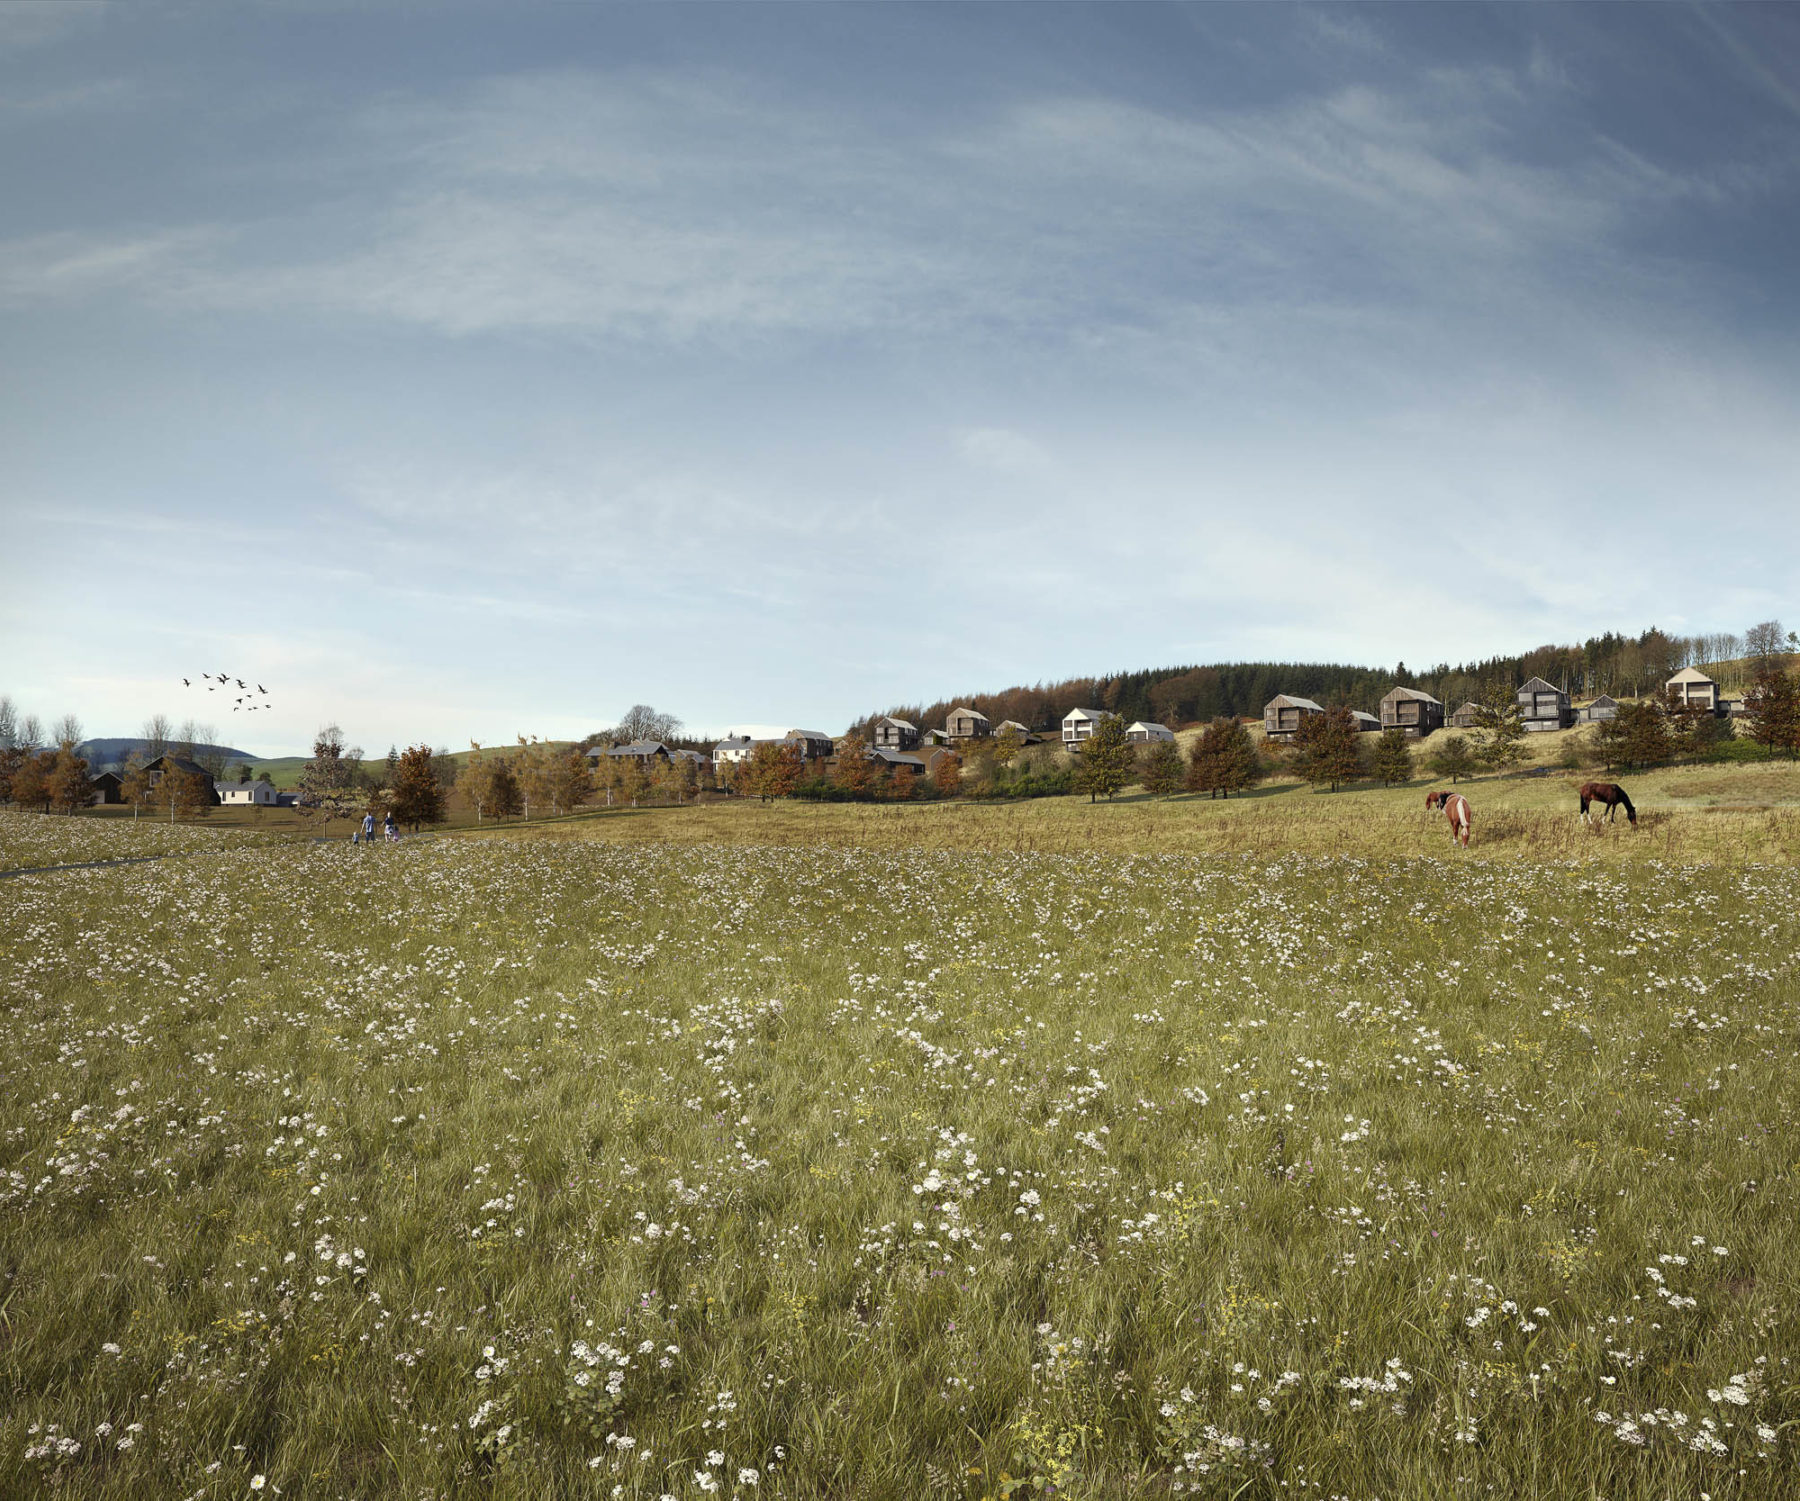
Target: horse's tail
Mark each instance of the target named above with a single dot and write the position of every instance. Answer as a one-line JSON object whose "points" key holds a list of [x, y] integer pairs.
{"points": [[1630, 812]]}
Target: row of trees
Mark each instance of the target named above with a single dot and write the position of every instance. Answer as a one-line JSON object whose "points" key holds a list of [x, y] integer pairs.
{"points": [[1621, 665]]}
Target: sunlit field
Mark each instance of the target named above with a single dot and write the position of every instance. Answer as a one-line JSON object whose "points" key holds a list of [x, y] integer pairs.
{"points": [[536, 1167]]}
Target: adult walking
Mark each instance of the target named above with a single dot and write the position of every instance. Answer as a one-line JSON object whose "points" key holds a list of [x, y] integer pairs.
{"points": [[368, 828]]}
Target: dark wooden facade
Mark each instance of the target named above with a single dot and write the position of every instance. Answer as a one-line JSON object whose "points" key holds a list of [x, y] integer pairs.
{"points": [[1283, 713], [1412, 710], [895, 734], [1544, 706]]}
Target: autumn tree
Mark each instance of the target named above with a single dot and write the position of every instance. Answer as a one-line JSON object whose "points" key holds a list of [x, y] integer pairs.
{"points": [[184, 793], [1160, 768], [902, 786], [31, 780], [773, 770], [328, 782], [678, 779], [1326, 750], [1107, 760], [853, 770], [1393, 762], [505, 797], [946, 774], [570, 782], [415, 795], [70, 786], [1006, 747], [134, 786], [476, 781], [1450, 757]]}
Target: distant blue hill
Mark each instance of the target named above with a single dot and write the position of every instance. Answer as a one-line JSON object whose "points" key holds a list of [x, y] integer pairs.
{"points": [[99, 753]]}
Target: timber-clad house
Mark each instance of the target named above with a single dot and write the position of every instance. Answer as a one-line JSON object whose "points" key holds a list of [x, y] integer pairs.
{"points": [[1412, 710], [967, 724], [1282, 715], [893, 734], [1544, 706]]}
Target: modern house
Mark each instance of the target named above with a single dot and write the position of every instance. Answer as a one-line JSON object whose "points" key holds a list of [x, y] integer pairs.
{"points": [[1544, 706], [897, 761], [934, 737], [733, 750], [1412, 710], [108, 788], [1366, 723], [1604, 707], [967, 724], [647, 753], [1078, 725], [1143, 732], [1025, 736], [1468, 717], [895, 734], [815, 745], [154, 771], [1693, 689], [1282, 715], [246, 794]]}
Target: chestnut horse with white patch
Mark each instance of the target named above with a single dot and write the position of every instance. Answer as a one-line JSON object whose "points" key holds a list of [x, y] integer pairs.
{"points": [[1610, 796], [1456, 809]]}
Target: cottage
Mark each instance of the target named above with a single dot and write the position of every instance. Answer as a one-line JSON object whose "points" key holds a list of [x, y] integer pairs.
{"points": [[1412, 710], [815, 745], [1282, 715], [1025, 737], [934, 737], [246, 795], [967, 724], [701, 762], [1468, 717], [895, 734], [1544, 706], [1079, 725], [897, 761], [647, 753], [1604, 707], [1366, 723], [1693, 689], [1142, 732], [108, 788]]}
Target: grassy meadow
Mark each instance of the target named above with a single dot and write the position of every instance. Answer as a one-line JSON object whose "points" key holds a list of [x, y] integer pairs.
{"points": [[636, 1157]]}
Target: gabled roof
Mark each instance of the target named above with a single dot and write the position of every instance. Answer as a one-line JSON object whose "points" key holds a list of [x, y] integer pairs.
{"points": [[1085, 714], [809, 734], [895, 758], [968, 714], [1360, 715], [1288, 701], [1410, 695], [1012, 724], [900, 723], [1147, 724], [179, 763], [1605, 698], [639, 748], [1538, 685], [1691, 675]]}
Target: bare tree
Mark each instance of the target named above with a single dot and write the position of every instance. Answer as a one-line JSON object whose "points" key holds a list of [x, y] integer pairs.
{"points": [[31, 732], [155, 735], [9, 724], [68, 730], [641, 722], [1767, 638]]}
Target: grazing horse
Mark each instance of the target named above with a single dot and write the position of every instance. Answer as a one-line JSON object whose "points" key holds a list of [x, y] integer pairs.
{"points": [[1456, 809], [1611, 795]]}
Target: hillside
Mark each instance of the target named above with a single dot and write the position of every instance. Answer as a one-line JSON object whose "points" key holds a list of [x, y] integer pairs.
{"points": [[110, 752]]}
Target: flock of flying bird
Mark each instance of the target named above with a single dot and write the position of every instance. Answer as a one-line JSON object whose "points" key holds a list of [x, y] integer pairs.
{"points": [[225, 680]]}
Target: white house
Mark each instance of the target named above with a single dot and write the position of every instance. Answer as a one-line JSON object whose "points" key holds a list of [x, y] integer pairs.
{"points": [[733, 750], [1143, 732], [1078, 725], [1693, 689], [246, 794]]}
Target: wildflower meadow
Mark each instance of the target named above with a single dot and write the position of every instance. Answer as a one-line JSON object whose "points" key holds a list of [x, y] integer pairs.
{"points": [[566, 1168]]}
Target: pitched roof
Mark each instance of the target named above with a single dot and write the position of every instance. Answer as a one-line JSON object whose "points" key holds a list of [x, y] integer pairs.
{"points": [[809, 734], [904, 724], [1085, 714], [1690, 675], [1410, 695], [1288, 701], [968, 714], [895, 758], [1146, 724], [1359, 715], [1538, 685], [639, 748]]}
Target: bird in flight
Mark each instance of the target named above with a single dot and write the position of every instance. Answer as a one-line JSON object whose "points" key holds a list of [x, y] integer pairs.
{"points": [[262, 690], [186, 684]]}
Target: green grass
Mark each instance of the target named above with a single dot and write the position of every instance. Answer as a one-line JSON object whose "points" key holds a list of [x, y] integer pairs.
{"points": [[964, 1173]]}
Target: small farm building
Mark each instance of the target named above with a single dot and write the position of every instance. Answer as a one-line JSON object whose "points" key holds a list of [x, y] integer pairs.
{"points": [[967, 724], [1544, 706], [1366, 723], [1143, 733], [895, 734], [1604, 707], [108, 788], [1412, 710], [1467, 717], [1693, 689], [1078, 725], [1283, 713], [897, 761], [1025, 735], [161, 764]]}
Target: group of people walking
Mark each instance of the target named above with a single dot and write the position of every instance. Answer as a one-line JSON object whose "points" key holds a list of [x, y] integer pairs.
{"points": [[366, 834]]}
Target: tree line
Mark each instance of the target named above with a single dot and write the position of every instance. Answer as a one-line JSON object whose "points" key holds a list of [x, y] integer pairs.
{"points": [[1620, 665]]}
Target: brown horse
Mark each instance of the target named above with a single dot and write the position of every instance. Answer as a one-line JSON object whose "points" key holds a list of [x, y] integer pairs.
{"points": [[1456, 809], [1611, 796]]}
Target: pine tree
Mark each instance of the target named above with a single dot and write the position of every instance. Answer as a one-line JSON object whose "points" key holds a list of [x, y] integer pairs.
{"points": [[1326, 748], [1450, 757], [1393, 762], [415, 795], [1161, 769], [1107, 760]]}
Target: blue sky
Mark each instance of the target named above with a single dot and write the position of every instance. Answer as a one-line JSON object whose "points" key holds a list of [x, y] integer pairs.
{"points": [[462, 371]]}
